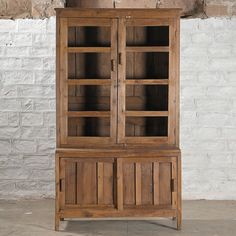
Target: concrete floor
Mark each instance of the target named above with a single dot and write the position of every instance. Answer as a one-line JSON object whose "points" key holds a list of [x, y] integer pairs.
{"points": [[36, 218]]}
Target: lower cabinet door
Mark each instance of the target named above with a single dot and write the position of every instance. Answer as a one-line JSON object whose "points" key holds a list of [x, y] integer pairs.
{"points": [[149, 182], [87, 182]]}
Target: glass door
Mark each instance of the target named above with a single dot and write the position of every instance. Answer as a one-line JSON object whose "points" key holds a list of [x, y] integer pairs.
{"points": [[88, 83], [146, 81]]}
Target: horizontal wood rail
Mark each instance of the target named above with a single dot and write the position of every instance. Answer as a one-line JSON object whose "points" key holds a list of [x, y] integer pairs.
{"points": [[88, 49], [147, 49], [147, 81], [89, 81], [147, 113], [88, 113]]}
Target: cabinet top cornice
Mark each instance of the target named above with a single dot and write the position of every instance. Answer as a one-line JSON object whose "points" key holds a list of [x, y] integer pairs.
{"points": [[119, 12]]}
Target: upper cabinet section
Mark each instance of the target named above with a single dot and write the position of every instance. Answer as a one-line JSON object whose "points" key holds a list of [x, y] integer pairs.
{"points": [[117, 77]]}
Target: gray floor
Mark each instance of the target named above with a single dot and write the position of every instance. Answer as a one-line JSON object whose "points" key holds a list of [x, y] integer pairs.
{"points": [[200, 218]]}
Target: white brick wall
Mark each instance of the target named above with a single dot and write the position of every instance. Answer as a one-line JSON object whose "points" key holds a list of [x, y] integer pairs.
{"points": [[208, 108]]}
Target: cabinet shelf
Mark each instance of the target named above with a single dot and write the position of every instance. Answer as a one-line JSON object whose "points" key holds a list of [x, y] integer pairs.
{"points": [[88, 49], [89, 81], [147, 113], [88, 113], [147, 49], [147, 81]]}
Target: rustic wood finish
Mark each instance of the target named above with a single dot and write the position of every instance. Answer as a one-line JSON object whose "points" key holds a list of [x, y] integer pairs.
{"points": [[118, 114]]}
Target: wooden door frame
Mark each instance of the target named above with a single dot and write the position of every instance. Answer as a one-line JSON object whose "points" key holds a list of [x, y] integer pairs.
{"points": [[63, 140], [173, 101]]}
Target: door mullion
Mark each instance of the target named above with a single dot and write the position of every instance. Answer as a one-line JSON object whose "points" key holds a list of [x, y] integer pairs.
{"points": [[121, 79], [114, 75]]}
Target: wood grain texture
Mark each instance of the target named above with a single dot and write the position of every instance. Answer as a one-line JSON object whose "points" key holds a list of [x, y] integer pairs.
{"points": [[122, 169]]}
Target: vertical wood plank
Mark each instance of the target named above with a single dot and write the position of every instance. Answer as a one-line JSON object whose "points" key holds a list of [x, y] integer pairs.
{"points": [[147, 183], [114, 81], [63, 77], [121, 79], [172, 85], [129, 183], [156, 184], [100, 185], [179, 195], [165, 183], [119, 184], [174, 178], [108, 179], [70, 182], [62, 183], [138, 186], [86, 183]]}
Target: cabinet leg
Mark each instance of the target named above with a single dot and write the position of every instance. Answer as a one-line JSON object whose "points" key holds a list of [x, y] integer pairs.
{"points": [[57, 222], [179, 222]]}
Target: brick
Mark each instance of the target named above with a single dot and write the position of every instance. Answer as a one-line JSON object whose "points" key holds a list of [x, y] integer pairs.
{"points": [[213, 119], [37, 91], [18, 77], [213, 105], [10, 104], [33, 132], [9, 132], [5, 39], [24, 146], [3, 118], [18, 173], [36, 161], [31, 119], [5, 146], [10, 63], [13, 118], [49, 63], [26, 104], [45, 77], [46, 146], [49, 118], [30, 25], [22, 39], [11, 160], [8, 91], [17, 51], [8, 25], [32, 63], [44, 105]]}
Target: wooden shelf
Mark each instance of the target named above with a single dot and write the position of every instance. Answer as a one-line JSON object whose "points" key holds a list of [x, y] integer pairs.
{"points": [[89, 81], [147, 49], [88, 49], [147, 81], [147, 113], [88, 113]]}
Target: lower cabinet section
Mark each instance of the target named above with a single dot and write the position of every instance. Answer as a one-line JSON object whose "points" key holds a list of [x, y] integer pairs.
{"points": [[117, 185]]}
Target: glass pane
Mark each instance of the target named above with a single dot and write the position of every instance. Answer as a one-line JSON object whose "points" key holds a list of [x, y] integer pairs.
{"points": [[89, 36], [147, 65], [89, 98], [147, 36], [89, 126], [89, 66], [147, 97], [146, 126]]}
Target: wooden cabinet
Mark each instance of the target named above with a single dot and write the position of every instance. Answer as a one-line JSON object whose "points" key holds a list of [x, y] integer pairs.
{"points": [[118, 113]]}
